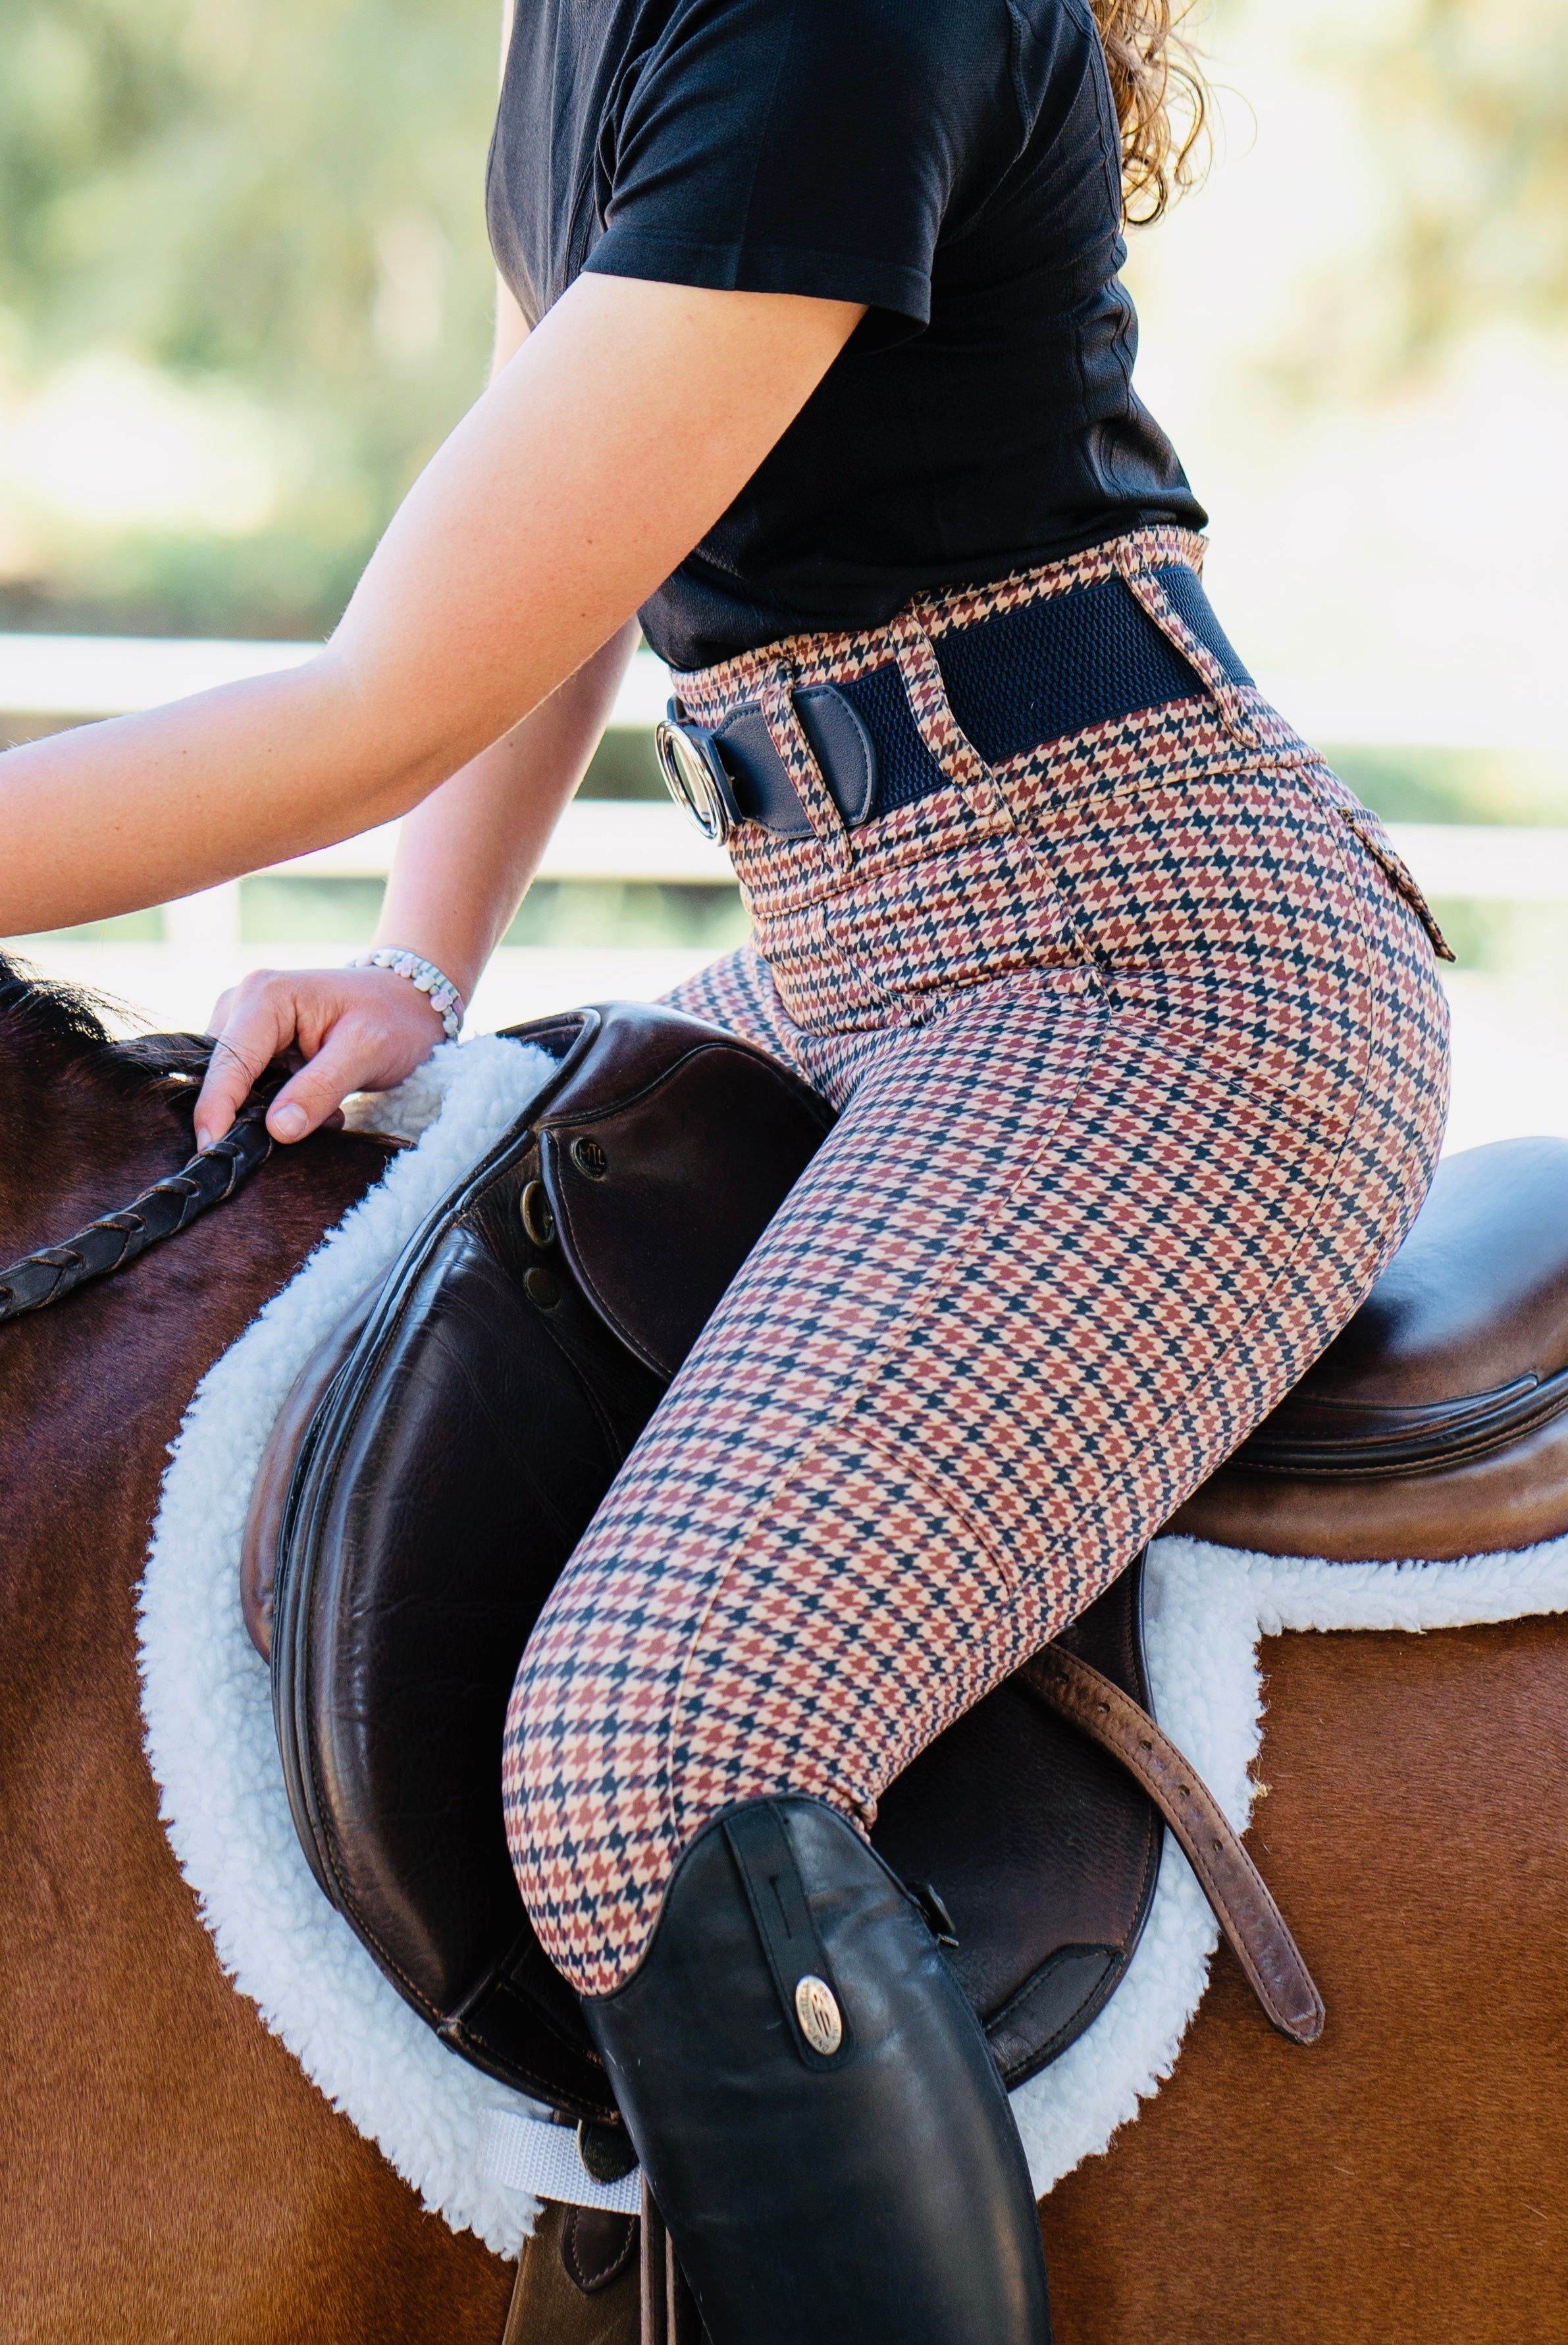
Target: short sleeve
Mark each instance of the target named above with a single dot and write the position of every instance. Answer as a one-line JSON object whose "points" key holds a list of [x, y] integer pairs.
{"points": [[811, 147]]}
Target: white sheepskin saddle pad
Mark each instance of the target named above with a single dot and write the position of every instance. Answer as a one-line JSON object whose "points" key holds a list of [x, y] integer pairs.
{"points": [[477, 2154]]}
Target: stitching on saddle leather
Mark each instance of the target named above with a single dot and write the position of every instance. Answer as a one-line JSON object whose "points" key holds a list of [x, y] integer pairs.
{"points": [[613, 2262]]}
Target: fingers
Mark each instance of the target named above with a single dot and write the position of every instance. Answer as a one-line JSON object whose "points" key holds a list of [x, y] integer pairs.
{"points": [[213, 1110], [256, 1025], [381, 1028], [341, 1030], [223, 1093], [312, 1097]]}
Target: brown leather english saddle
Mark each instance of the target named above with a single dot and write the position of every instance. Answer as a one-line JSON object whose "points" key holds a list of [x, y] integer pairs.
{"points": [[438, 1461], [442, 1453]]}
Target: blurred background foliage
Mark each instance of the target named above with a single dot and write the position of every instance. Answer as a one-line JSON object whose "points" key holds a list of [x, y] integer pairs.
{"points": [[1461, 111], [1466, 106], [276, 211], [245, 290]]}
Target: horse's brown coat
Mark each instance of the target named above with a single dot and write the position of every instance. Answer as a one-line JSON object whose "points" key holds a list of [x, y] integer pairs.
{"points": [[168, 2177], [167, 2172], [1405, 2182]]}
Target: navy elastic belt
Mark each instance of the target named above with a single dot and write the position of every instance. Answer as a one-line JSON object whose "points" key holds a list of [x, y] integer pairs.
{"points": [[1015, 682]]}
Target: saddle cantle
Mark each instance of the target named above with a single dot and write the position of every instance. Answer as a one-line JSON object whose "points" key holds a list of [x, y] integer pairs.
{"points": [[442, 1456], [1436, 1425]]}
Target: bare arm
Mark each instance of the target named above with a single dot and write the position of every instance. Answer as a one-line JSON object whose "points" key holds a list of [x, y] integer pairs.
{"points": [[469, 851], [464, 860], [604, 451]]}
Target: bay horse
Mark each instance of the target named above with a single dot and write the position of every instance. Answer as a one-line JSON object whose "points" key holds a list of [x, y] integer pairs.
{"points": [[170, 2175]]}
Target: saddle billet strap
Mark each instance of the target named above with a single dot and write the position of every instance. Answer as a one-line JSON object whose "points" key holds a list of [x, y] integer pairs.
{"points": [[670, 2315], [170, 1205], [1232, 1883], [517, 2304]]}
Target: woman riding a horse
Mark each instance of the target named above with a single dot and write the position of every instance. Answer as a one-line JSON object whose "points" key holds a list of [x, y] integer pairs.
{"points": [[813, 362]]}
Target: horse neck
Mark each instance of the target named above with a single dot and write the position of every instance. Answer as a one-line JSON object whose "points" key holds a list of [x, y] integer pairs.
{"points": [[122, 2115], [76, 1138], [93, 1387]]}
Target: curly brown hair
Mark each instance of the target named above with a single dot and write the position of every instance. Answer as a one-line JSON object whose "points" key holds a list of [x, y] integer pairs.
{"points": [[1161, 101]]}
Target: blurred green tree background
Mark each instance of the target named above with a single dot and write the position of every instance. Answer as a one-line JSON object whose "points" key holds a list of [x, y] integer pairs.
{"points": [[1467, 105], [245, 290], [1462, 115], [279, 208]]}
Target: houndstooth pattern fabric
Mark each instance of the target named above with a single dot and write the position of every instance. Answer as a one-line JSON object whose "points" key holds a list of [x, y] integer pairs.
{"points": [[1141, 1063]]}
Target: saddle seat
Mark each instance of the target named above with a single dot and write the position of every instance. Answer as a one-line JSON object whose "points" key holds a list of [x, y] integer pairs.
{"points": [[1436, 1425]]}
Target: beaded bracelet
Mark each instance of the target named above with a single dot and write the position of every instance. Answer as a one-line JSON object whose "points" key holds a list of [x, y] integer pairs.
{"points": [[445, 999]]}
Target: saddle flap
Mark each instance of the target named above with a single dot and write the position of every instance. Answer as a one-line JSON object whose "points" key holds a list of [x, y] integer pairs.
{"points": [[264, 1525], [438, 1460]]}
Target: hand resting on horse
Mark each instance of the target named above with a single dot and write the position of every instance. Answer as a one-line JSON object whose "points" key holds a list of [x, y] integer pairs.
{"points": [[353, 1029], [604, 451]]}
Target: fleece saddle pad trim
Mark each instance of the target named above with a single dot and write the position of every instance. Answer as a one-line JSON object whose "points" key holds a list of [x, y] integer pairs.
{"points": [[475, 2152]]}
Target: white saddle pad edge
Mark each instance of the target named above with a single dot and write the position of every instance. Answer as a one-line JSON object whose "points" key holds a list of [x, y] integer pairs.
{"points": [[1206, 1608], [472, 2150], [207, 1702]]}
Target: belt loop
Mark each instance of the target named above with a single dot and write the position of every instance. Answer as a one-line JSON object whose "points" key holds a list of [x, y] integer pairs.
{"points": [[788, 734], [1139, 573], [949, 744]]}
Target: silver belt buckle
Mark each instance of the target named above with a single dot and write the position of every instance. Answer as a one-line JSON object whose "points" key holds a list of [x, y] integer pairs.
{"points": [[694, 775]]}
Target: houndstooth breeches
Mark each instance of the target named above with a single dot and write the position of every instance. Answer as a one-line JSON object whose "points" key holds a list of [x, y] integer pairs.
{"points": [[1141, 1065]]}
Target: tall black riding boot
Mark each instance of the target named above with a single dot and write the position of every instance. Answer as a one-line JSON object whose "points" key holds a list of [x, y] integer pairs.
{"points": [[817, 2113]]}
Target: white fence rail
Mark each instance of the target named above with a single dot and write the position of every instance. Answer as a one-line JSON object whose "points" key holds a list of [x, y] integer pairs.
{"points": [[1511, 1046], [626, 839], [1445, 708], [98, 675], [596, 838], [613, 839], [110, 675], [632, 841], [1486, 862]]}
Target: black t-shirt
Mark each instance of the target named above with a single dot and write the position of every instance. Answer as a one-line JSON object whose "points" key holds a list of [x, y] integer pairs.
{"points": [[954, 164]]}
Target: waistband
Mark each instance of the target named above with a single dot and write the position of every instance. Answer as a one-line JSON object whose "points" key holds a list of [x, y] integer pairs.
{"points": [[848, 727]]}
